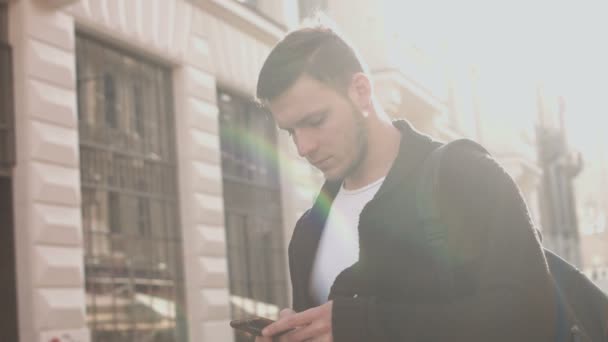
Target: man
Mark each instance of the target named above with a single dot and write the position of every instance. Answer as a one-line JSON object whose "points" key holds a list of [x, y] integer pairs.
{"points": [[359, 264]]}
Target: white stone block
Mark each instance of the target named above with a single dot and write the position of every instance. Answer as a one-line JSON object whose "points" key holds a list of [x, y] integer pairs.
{"points": [[205, 140], [55, 184], [60, 308], [207, 177], [204, 146], [218, 331], [214, 271], [199, 45], [215, 305], [58, 266], [52, 27], [211, 240], [209, 202], [51, 64], [203, 115], [52, 104], [199, 53], [200, 84], [54, 144], [57, 224]]}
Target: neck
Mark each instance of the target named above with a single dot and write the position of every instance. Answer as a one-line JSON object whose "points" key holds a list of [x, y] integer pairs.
{"points": [[382, 147]]}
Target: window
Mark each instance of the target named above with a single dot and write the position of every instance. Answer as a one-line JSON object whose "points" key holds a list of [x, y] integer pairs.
{"points": [[309, 7], [8, 288], [254, 227], [133, 270], [7, 136]]}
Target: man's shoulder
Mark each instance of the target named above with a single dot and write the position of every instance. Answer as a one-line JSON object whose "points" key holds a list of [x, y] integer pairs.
{"points": [[468, 169], [466, 157]]}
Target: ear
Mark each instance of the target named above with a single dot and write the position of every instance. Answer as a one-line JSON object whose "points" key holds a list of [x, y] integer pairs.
{"points": [[360, 91]]}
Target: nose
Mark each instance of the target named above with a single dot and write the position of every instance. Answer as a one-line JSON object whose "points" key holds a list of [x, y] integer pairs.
{"points": [[305, 143]]}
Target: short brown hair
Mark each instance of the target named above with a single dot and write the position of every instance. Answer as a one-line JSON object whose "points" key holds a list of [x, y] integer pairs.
{"points": [[317, 51]]}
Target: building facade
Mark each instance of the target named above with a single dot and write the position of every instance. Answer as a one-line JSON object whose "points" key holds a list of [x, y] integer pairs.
{"points": [[561, 165], [142, 210], [150, 197], [592, 209]]}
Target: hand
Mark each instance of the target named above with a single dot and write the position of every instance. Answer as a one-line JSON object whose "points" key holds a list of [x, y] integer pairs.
{"points": [[283, 314], [312, 325]]}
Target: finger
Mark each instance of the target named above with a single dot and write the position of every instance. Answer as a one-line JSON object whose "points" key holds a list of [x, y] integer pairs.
{"points": [[314, 331], [291, 322], [286, 312]]}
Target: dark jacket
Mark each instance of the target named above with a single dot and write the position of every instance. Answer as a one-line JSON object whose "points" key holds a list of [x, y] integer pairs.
{"points": [[502, 289]]}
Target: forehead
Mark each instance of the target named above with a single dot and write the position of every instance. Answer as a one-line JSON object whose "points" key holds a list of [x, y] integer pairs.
{"points": [[304, 97]]}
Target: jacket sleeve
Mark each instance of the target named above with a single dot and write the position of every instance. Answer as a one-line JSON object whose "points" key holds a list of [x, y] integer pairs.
{"points": [[492, 233]]}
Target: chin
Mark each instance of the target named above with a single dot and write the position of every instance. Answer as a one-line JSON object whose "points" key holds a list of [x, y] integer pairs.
{"points": [[333, 175]]}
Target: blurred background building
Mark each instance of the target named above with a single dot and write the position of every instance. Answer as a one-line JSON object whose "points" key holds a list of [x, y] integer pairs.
{"points": [[560, 167], [145, 197]]}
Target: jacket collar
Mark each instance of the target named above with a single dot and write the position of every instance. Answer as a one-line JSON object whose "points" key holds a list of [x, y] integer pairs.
{"points": [[413, 148]]}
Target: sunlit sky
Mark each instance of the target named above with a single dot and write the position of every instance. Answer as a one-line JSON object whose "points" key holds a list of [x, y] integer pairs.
{"points": [[560, 44]]}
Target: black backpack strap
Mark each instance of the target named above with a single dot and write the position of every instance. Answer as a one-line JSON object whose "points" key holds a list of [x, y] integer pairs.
{"points": [[583, 307], [435, 229], [429, 179]]}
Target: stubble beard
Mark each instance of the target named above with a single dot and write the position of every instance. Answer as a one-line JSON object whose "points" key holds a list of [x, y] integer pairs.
{"points": [[361, 144]]}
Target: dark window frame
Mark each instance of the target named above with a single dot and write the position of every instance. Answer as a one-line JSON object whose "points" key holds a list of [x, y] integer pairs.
{"points": [[7, 114], [9, 324], [252, 206], [133, 264]]}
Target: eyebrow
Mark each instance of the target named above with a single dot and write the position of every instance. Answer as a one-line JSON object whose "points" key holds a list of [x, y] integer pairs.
{"points": [[308, 116]]}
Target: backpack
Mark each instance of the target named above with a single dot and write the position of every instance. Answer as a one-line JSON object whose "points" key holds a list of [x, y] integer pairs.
{"points": [[582, 308]]}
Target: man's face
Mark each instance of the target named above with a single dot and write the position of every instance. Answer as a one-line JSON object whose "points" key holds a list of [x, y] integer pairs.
{"points": [[325, 126]]}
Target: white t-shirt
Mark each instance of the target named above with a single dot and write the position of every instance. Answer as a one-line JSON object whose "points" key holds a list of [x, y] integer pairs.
{"points": [[339, 244]]}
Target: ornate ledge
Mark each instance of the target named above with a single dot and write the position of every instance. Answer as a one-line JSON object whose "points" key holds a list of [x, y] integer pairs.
{"points": [[55, 4], [246, 18]]}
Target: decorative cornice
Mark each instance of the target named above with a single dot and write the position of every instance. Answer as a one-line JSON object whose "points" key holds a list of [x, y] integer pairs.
{"points": [[255, 23], [55, 4]]}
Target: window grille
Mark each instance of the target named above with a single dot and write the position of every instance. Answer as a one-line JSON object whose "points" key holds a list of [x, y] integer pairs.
{"points": [[7, 135], [133, 253], [252, 204]]}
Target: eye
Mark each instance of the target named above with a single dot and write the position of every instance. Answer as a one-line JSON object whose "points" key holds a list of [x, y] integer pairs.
{"points": [[317, 121]]}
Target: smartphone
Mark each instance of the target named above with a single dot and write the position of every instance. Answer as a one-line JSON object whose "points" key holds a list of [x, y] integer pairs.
{"points": [[253, 326]]}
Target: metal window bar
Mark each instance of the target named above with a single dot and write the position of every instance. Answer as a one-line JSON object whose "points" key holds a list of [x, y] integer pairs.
{"points": [[252, 204], [133, 264], [7, 130], [4, 21]]}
